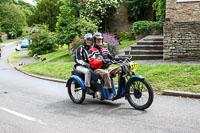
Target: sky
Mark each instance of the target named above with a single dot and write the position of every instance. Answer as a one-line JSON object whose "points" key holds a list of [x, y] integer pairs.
{"points": [[30, 1]]}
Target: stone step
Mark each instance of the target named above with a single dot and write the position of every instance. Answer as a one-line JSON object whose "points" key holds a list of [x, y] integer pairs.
{"points": [[147, 47], [153, 39], [145, 57], [150, 43], [144, 52]]}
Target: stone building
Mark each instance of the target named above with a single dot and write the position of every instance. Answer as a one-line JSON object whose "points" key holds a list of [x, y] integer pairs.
{"points": [[182, 30]]}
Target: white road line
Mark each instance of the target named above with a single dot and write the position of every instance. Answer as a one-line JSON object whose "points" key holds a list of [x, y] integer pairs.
{"points": [[23, 116]]}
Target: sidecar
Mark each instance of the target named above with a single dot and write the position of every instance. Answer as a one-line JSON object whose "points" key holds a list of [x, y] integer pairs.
{"points": [[77, 89]]}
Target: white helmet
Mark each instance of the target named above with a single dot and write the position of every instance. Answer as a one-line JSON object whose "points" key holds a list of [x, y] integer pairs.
{"points": [[88, 36]]}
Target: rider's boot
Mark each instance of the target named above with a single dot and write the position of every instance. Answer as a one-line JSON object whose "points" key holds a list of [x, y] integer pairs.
{"points": [[89, 90], [111, 96]]}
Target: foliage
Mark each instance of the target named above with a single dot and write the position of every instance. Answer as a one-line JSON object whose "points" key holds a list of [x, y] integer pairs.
{"points": [[69, 15], [43, 41], [112, 43], [96, 10], [6, 1], [12, 19], [78, 28], [144, 27], [160, 7], [75, 43], [0, 39], [125, 35], [137, 8], [46, 13]]}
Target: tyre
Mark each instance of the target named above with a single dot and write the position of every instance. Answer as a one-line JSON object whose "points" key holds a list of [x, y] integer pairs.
{"points": [[139, 93], [75, 91]]}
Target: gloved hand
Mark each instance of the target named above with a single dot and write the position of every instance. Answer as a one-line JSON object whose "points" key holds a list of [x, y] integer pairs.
{"points": [[87, 65], [125, 58], [105, 61]]}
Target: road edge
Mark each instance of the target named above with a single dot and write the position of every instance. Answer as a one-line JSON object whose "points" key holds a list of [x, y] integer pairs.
{"points": [[37, 76], [181, 93]]}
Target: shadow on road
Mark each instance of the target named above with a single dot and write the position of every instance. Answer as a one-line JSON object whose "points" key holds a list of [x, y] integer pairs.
{"points": [[93, 106]]}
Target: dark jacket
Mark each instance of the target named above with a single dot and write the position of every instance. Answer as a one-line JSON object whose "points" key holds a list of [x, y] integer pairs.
{"points": [[81, 55]]}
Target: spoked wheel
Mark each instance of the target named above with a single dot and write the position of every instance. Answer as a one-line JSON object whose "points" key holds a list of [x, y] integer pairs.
{"points": [[139, 94], [76, 93]]}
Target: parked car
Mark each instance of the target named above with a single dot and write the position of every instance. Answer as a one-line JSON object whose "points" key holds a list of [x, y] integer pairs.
{"points": [[25, 43]]}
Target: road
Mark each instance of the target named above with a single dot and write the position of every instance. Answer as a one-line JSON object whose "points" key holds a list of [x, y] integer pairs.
{"points": [[31, 105]]}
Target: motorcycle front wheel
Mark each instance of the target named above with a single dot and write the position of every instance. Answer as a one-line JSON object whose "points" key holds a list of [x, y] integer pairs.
{"points": [[139, 93], [75, 91]]}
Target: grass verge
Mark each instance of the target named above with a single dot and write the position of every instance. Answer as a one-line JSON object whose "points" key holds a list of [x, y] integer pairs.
{"points": [[49, 69], [15, 56], [179, 77], [125, 43], [1, 46], [61, 54]]}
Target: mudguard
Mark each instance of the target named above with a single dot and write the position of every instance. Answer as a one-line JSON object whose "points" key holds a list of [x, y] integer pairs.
{"points": [[81, 82], [135, 76]]}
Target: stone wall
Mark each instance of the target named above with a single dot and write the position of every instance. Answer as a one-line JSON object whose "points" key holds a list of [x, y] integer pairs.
{"points": [[119, 22], [187, 11], [170, 9], [182, 40], [182, 10]]}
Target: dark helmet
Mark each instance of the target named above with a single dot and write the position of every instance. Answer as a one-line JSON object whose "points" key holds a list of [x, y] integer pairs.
{"points": [[88, 36], [97, 35]]}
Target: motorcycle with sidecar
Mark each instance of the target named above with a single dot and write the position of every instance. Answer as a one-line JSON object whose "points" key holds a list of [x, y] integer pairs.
{"points": [[135, 88]]}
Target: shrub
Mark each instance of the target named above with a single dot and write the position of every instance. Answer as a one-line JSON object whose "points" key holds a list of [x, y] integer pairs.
{"points": [[125, 35], [77, 28], [43, 41], [75, 43], [0, 39], [112, 43], [144, 27]]}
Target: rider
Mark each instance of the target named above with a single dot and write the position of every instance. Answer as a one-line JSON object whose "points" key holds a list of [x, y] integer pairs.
{"points": [[99, 60], [81, 58]]}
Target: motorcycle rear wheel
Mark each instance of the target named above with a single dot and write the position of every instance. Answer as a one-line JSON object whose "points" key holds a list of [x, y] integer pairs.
{"points": [[75, 91], [139, 93]]}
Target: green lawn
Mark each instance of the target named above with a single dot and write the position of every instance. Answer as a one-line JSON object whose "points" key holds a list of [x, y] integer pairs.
{"points": [[165, 76], [125, 43], [1, 46], [61, 54], [15, 56], [50, 69]]}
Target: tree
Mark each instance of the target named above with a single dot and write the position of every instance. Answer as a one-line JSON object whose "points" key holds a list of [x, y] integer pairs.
{"points": [[96, 10], [137, 8], [12, 19], [46, 13]]}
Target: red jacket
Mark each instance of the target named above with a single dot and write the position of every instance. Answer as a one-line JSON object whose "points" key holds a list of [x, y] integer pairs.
{"points": [[96, 57]]}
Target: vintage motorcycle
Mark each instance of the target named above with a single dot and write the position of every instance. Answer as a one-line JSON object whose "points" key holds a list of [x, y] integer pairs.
{"points": [[135, 88]]}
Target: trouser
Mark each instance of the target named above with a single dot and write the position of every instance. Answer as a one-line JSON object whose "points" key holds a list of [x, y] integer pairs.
{"points": [[105, 74], [87, 73]]}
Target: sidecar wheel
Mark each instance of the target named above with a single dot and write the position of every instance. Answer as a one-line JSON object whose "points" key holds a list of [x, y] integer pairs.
{"points": [[139, 94], [75, 91]]}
